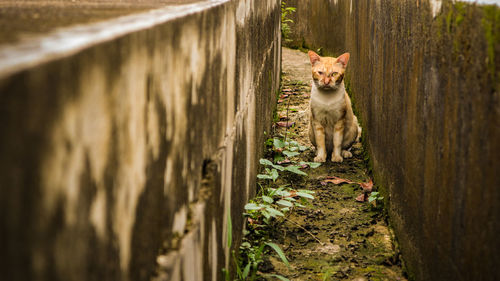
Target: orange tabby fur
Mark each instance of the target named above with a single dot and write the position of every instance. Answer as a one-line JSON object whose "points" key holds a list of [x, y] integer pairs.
{"points": [[333, 125]]}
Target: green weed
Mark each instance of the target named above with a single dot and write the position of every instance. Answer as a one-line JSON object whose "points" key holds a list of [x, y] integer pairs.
{"points": [[272, 202], [285, 20]]}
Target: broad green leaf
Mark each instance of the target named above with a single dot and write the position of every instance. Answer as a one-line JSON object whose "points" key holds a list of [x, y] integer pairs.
{"points": [[282, 193], [274, 212], [266, 214], [246, 245], [295, 169], [278, 158], [265, 162], [267, 199], [271, 174], [278, 143], [269, 163], [305, 195], [285, 209], [274, 175], [264, 177], [280, 253], [278, 167], [246, 271], [314, 165], [290, 153], [306, 191], [285, 203], [282, 278], [272, 191], [252, 206]]}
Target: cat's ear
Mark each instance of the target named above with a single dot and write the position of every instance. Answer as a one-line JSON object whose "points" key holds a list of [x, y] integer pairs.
{"points": [[313, 57], [343, 59]]}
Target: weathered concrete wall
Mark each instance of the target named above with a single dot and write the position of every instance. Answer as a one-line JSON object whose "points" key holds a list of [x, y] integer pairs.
{"points": [[132, 138], [425, 80]]}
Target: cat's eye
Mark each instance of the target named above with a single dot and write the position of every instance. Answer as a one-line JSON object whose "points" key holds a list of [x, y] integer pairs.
{"points": [[335, 74], [320, 72]]}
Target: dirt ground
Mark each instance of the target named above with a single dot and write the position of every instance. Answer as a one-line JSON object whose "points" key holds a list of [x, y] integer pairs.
{"points": [[337, 238]]}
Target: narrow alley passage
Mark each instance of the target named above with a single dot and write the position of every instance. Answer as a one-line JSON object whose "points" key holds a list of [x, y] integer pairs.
{"points": [[338, 237]]}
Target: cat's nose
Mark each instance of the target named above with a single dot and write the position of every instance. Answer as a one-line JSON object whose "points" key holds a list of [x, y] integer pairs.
{"points": [[327, 80]]}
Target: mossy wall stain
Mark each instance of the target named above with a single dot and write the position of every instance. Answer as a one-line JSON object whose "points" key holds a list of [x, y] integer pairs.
{"points": [[425, 85], [104, 146]]}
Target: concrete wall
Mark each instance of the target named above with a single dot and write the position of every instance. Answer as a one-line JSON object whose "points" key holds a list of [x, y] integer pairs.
{"points": [[425, 80], [133, 138]]}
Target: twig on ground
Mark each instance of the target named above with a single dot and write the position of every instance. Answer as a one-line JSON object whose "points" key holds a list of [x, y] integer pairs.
{"points": [[307, 231], [287, 119]]}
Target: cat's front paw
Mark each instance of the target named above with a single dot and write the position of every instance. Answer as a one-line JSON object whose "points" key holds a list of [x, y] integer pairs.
{"points": [[346, 154], [337, 158], [320, 158]]}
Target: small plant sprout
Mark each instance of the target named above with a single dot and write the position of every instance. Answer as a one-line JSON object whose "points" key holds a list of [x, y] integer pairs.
{"points": [[375, 198]]}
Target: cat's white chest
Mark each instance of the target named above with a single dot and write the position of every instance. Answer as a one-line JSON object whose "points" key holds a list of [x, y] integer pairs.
{"points": [[327, 107]]}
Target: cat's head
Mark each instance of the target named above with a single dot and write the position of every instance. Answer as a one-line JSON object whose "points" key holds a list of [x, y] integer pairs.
{"points": [[328, 72]]}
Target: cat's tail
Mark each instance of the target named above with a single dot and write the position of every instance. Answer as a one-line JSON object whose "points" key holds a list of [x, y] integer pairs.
{"points": [[358, 137]]}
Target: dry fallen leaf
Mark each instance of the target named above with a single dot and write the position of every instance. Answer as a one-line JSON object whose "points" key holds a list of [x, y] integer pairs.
{"points": [[335, 180], [283, 96], [366, 186], [361, 197], [285, 124], [287, 90], [280, 101], [283, 116]]}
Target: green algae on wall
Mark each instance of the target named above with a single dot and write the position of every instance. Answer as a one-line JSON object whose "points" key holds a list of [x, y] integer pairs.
{"points": [[491, 26], [424, 80]]}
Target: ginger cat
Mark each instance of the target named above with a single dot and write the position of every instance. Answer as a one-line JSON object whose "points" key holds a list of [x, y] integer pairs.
{"points": [[333, 127]]}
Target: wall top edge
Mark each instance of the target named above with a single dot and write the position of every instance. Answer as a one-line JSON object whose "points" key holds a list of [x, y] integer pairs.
{"points": [[66, 41]]}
